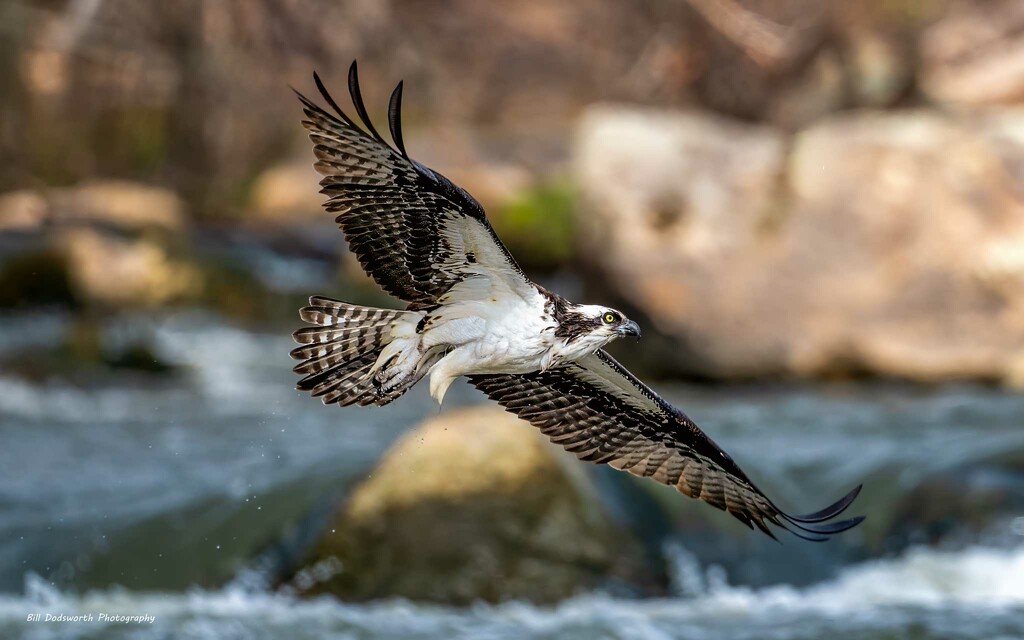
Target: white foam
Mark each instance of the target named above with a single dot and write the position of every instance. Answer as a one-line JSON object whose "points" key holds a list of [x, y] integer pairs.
{"points": [[955, 589], [920, 577], [923, 577]]}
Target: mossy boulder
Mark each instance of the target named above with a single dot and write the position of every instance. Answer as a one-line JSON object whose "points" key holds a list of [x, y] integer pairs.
{"points": [[474, 505], [538, 226]]}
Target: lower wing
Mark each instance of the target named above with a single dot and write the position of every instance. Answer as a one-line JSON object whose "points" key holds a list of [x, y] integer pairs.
{"points": [[598, 410]]}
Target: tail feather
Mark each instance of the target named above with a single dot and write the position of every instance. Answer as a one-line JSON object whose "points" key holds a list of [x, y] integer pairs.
{"points": [[321, 383], [338, 355], [338, 379], [318, 349], [362, 391], [368, 340], [328, 313]]}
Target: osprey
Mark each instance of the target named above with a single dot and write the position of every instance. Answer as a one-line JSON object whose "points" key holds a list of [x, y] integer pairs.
{"points": [[472, 311]]}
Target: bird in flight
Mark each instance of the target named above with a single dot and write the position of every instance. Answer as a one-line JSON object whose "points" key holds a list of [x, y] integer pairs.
{"points": [[472, 311]]}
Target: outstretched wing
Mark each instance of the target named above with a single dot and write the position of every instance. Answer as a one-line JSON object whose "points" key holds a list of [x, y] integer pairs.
{"points": [[414, 232], [601, 412]]}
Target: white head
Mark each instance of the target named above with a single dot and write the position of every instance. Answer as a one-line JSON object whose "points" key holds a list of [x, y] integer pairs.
{"points": [[589, 327]]}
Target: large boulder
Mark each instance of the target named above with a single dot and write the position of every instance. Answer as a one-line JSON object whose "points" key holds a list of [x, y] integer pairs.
{"points": [[121, 204], [669, 201], [473, 505], [22, 211], [115, 204], [869, 243], [106, 242], [123, 272]]}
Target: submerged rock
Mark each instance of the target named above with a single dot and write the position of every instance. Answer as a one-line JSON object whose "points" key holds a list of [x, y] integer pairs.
{"points": [[962, 504], [37, 277], [88, 354], [840, 251], [473, 505]]}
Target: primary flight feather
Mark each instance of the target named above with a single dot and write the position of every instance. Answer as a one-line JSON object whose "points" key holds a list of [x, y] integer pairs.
{"points": [[472, 311]]}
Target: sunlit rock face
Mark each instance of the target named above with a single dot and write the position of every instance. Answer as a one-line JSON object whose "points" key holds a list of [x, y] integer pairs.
{"points": [[473, 505], [882, 244], [974, 55], [288, 194], [104, 243], [116, 204], [116, 272]]}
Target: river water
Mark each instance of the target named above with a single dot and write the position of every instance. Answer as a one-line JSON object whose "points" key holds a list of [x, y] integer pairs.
{"points": [[175, 496]]}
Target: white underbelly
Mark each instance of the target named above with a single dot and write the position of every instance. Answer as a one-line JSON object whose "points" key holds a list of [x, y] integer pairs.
{"points": [[507, 337], [499, 354]]}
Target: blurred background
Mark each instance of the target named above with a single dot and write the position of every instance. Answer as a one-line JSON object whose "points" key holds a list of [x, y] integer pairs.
{"points": [[814, 209]]}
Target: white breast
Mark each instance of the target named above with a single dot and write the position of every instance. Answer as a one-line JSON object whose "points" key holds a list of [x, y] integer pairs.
{"points": [[569, 351], [497, 330]]}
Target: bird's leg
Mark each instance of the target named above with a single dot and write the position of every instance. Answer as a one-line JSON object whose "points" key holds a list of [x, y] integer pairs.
{"points": [[444, 372], [439, 386]]}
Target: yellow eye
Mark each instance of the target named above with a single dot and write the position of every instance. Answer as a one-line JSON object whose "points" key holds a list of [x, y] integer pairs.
{"points": [[609, 318]]}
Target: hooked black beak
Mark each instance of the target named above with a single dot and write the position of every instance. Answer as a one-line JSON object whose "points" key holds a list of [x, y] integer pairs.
{"points": [[629, 328]]}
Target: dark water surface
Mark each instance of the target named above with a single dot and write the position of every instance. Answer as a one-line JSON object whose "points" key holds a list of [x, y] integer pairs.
{"points": [[147, 495]]}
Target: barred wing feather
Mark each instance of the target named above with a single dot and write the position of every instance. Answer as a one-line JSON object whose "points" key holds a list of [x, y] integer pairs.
{"points": [[414, 231], [598, 410]]}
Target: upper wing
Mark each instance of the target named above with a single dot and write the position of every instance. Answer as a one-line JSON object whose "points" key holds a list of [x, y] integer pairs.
{"points": [[601, 412], [414, 232]]}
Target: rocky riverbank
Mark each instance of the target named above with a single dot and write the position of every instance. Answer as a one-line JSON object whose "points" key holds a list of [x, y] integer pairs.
{"points": [[882, 244]]}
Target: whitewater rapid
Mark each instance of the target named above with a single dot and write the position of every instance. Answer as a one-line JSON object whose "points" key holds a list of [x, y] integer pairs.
{"points": [[119, 499], [975, 592]]}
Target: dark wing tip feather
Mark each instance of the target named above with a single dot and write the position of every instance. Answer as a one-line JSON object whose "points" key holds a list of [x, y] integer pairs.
{"points": [[310, 108], [395, 119], [357, 100], [327, 96], [830, 528], [813, 527], [828, 512]]}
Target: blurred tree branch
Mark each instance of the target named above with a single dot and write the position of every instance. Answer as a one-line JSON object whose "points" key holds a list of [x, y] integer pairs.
{"points": [[768, 43]]}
